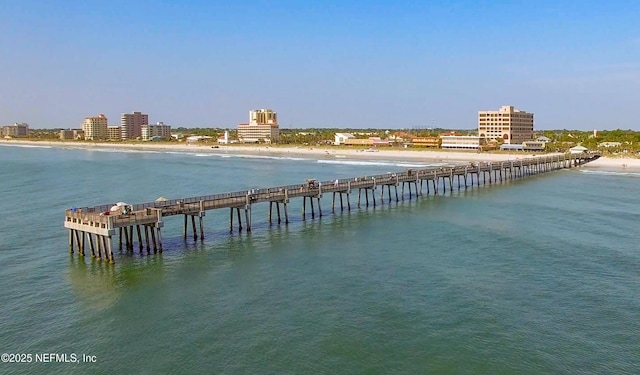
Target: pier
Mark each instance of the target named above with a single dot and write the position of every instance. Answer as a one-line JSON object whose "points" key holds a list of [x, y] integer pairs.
{"points": [[94, 229]]}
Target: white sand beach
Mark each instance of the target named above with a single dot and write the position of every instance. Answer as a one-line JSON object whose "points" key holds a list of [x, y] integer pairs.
{"points": [[325, 151]]}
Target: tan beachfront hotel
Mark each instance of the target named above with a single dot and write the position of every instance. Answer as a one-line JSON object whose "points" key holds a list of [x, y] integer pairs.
{"points": [[511, 125], [95, 127], [262, 127]]}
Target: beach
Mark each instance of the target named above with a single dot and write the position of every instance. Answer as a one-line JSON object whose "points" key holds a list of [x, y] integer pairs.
{"points": [[323, 151]]}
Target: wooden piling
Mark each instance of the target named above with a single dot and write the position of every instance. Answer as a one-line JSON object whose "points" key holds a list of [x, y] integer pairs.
{"points": [[146, 237], [159, 239], [140, 245], [71, 240], [154, 240], [286, 215], [91, 247], [200, 219], [247, 216], [278, 211], [184, 231], [304, 207]]}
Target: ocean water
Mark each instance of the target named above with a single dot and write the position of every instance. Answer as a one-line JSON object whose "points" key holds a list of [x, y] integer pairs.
{"points": [[533, 276]]}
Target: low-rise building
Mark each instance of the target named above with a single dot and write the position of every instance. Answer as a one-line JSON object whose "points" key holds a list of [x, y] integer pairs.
{"points": [[359, 142], [224, 139], [468, 142], [255, 133], [579, 149], [533, 146], [198, 138], [377, 141], [401, 137], [71, 134], [511, 147], [341, 138], [66, 134], [114, 133], [426, 142], [158, 131], [16, 130]]}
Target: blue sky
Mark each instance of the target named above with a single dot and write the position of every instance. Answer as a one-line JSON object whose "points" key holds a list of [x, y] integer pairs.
{"points": [[380, 64]]}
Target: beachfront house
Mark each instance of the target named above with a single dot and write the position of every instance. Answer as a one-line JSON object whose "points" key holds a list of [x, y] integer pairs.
{"points": [[533, 146], [511, 147], [198, 138], [341, 138], [578, 149]]}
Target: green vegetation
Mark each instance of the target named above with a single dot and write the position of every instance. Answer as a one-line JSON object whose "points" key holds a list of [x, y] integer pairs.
{"points": [[629, 140], [607, 142]]}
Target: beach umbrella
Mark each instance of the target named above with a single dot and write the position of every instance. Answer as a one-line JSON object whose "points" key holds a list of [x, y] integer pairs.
{"points": [[120, 204], [161, 199]]}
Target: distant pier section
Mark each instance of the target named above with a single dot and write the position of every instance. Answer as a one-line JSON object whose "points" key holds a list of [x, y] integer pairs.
{"points": [[95, 229]]}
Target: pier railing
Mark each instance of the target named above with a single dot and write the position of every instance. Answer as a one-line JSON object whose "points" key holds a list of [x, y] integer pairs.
{"points": [[212, 201], [102, 221]]}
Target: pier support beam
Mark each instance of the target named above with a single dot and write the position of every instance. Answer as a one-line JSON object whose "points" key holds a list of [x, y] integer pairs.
{"points": [[270, 210], [286, 214], [201, 219], [278, 211], [159, 239], [247, 216], [146, 237], [154, 240]]}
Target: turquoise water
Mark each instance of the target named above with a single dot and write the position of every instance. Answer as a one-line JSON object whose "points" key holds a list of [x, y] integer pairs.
{"points": [[535, 276]]}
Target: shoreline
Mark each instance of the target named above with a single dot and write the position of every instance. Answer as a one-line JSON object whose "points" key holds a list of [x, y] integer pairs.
{"points": [[357, 153]]}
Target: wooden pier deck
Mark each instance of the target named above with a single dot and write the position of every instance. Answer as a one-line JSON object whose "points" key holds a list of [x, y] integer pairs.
{"points": [[97, 226]]}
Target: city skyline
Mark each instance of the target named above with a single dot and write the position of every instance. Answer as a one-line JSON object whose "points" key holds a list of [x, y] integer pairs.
{"points": [[348, 64]]}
